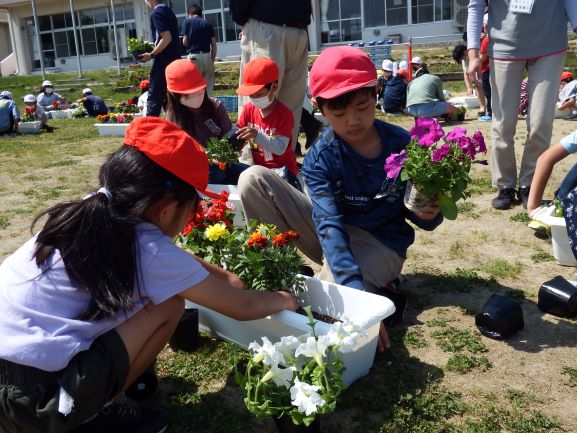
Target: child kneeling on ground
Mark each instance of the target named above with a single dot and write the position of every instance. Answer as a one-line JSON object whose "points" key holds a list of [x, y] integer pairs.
{"points": [[87, 304], [355, 216]]}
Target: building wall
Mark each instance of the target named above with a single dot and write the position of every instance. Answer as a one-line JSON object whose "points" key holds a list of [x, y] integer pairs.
{"points": [[5, 44]]}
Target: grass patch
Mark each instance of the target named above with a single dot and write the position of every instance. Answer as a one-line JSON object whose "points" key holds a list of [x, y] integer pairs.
{"points": [[542, 256], [452, 339], [461, 363], [468, 208], [571, 374], [456, 250], [521, 217], [462, 280], [515, 295], [499, 268], [4, 222], [467, 311], [415, 338], [63, 163], [479, 186]]}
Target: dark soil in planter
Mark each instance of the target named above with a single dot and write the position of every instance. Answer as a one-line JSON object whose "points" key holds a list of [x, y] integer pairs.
{"points": [[318, 316]]}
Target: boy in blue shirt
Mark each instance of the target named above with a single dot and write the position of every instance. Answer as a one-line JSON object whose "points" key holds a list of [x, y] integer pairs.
{"points": [[9, 114], [355, 216]]}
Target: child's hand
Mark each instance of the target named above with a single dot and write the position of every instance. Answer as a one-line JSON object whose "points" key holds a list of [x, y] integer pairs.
{"points": [[246, 133], [428, 213], [383, 342], [290, 300]]}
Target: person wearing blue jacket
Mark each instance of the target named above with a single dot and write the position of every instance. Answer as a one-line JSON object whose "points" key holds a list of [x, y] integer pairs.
{"points": [[355, 217], [395, 96]]}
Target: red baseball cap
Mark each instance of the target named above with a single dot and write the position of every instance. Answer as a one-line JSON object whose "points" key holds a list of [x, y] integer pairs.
{"points": [[171, 148], [144, 84], [566, 76], [183, 77], [339, 70], [256, 74], [403, 73]]}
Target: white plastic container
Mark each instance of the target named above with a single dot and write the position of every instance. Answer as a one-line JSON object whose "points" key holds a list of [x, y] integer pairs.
{"points": [[560, 239], [60, 114], [112, 129], [233, 198], [365, 309], [29, 127], [466, 101]]}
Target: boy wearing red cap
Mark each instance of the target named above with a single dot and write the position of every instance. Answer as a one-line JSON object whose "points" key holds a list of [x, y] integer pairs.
{"points": [[355, 216], [266, 121]]}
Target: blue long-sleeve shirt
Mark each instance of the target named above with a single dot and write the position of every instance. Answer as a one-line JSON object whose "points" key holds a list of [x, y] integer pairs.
{"points": [[346, 188]]}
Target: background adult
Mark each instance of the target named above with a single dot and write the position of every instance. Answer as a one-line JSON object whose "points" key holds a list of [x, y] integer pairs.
{"points": [[277, 30], [9, 114], [425, 97], [200, 43], [164, 28], [515, 44]]}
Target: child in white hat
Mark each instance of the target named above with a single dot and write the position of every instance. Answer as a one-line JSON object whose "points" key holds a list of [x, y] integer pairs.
{"points": [[48, 96], [32, 107]]}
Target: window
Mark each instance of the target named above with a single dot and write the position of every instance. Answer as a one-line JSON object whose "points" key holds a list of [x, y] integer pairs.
{"points": [[423, 11], [397, 12], [57, 34], [374, 13], [340, 20]]}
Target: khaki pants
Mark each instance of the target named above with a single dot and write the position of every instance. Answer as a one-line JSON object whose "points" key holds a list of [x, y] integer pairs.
{"points": [[267, 198], [204, 63], [542, 90], [288, 47]]}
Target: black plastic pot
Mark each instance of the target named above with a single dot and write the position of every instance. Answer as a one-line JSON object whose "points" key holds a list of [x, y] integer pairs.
{"points": [[136, 54], [185, 336], [284, 424], [144, 386], [500, 318], [559, 297]]}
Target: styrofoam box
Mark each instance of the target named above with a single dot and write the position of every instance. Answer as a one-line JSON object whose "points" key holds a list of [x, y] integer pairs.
{"points": [[365, 309], [560, 239], [60, 114], [466, 101], [114, 129], [233, 198], [29, 127]]}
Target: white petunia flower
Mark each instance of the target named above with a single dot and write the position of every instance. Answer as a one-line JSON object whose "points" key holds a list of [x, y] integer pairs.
{"points": [[345, 335], [305, 397], [280, 376], [287, 346], [312, 348], [266, 353]]}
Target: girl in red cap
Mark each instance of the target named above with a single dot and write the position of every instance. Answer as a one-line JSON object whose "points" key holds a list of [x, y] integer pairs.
{"points": [[87, 304], [201, 116]]}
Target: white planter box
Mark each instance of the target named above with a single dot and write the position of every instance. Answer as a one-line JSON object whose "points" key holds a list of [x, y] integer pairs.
{"points": [[115, 129], [29, 127], [466, 101], [233, 198], [560, 239], [365, 309], [61, 114]]}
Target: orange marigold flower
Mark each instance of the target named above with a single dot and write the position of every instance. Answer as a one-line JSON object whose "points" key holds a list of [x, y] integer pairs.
{"points": [[258, 240], [291, 234], [222, 165], [280, 240]]}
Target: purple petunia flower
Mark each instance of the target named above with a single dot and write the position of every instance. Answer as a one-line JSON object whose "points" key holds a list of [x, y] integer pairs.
{"points": [[427, 131], [441, 152], [479, 141], [394, 164], [467, 146], [456, 133]]}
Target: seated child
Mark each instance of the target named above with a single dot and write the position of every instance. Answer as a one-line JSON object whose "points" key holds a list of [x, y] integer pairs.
{"points": [[266, 121], [48, 96], [395, 97], [31, 104], [94, 105], [143, 98], [566, 105], [87, 304], [384, 78], [9, 114], [355, 216]]}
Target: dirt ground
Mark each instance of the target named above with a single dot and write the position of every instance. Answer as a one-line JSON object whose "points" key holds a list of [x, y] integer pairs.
{"points": [[531, 361]]}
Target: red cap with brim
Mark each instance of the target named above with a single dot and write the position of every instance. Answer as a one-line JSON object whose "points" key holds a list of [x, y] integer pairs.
{"points": [[566, 76], [256, 74], [171, 148], [339, 70], [182, 76]]}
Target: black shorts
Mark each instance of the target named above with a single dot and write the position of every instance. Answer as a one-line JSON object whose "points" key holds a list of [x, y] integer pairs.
{"points": [[29, 397]]}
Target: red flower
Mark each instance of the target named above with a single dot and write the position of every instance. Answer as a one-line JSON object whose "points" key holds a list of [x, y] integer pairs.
{"points": [[129, 103], [258, 240], [55, 104], [30, 110], [291, 234], [280, 240], [222, 165]]}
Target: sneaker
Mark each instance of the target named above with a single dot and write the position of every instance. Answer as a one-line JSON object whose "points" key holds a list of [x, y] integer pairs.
{"points": [[123, 416], [485, 118], [506, 199], [524, 195]]}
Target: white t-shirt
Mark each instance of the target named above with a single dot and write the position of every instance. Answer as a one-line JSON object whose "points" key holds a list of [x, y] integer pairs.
{"points": [[38, 306], [569, 142]]}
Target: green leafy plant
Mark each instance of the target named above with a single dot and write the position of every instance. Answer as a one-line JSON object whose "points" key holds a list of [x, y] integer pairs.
{"points": [[558, 208], [29, 115], [461, 110], [220, 150], [438, 169], [139, 45], [298, 377]]}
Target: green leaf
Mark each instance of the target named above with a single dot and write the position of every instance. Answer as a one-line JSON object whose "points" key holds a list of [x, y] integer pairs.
{"points": [[448, 207]]}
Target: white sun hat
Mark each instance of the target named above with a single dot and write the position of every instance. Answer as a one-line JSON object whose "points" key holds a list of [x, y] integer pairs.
{"points": [[29, 98], [47, 83], [87, 90], [387, 65], [417, 60], [6, 94]]}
